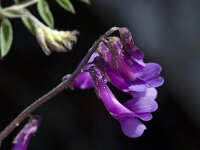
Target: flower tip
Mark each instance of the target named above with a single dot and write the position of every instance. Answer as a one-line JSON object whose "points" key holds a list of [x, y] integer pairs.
{"points": [[132, 127]]}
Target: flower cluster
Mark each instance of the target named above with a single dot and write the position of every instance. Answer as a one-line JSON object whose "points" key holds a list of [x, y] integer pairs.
{"points": [[54, 40], [22, 139], [119, 61]]}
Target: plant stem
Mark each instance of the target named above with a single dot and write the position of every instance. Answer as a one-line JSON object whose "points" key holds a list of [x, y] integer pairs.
{"points": [[16, 10], [55, 91], [36, 21]]}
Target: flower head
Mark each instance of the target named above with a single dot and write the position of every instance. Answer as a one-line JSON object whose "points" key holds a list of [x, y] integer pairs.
{"points": [[54, 40], [120, 62]]}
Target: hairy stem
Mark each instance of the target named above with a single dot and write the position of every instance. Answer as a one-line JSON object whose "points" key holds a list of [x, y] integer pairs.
{"points": [[35, 20], [59, 88], [16, 10]]}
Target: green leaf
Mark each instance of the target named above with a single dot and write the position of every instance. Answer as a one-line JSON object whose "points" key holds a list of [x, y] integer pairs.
{"points": [[67, 5], [29, 24], [85, 1], [6, 37], [11, 13], [45, 13]]}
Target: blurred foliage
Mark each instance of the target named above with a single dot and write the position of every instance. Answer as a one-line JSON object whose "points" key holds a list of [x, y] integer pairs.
{"points": [[19, 10], [6, 37], [45, 13]]}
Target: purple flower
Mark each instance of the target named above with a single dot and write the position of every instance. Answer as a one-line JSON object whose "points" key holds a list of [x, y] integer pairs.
{"points": [[120, 62], [137, 75], [21, 141], [127, 114]]}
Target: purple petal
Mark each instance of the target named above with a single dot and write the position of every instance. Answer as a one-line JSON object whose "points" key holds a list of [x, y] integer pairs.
{"points": [[111, 74], [141, 105], [82, 81], [136, 66], [145, 117], [138, 85], [151, 70], [156, 82], [21, 141], [116, 49], [150, 93], [103, 91], [105, 52], [129, 45], [134, 51], [132, 127], [95, 54]]}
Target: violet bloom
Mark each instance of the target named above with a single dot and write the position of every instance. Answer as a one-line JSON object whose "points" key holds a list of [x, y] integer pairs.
{"points": [[139, 76], [126, 62], [120, 62], [22, 140], [127, 114]]}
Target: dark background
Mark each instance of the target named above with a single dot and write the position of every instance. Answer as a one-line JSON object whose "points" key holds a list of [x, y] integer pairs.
{"points": [[166, 30]]}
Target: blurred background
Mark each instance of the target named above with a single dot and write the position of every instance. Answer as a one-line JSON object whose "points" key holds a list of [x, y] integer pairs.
{"points": [[166, 30]]}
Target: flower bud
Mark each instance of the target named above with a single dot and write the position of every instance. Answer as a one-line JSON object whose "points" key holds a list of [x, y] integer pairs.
{"points": [[54, 40]]}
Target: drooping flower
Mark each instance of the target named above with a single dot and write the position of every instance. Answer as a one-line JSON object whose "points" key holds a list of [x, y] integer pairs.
{"points": [[54, 40], [126, 62], [22, 139], [128, 113], [120, 62]]}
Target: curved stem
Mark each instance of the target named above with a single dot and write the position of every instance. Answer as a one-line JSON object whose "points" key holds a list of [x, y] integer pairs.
{"points": [[59, 88], [16, 10], [36, 21]]}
